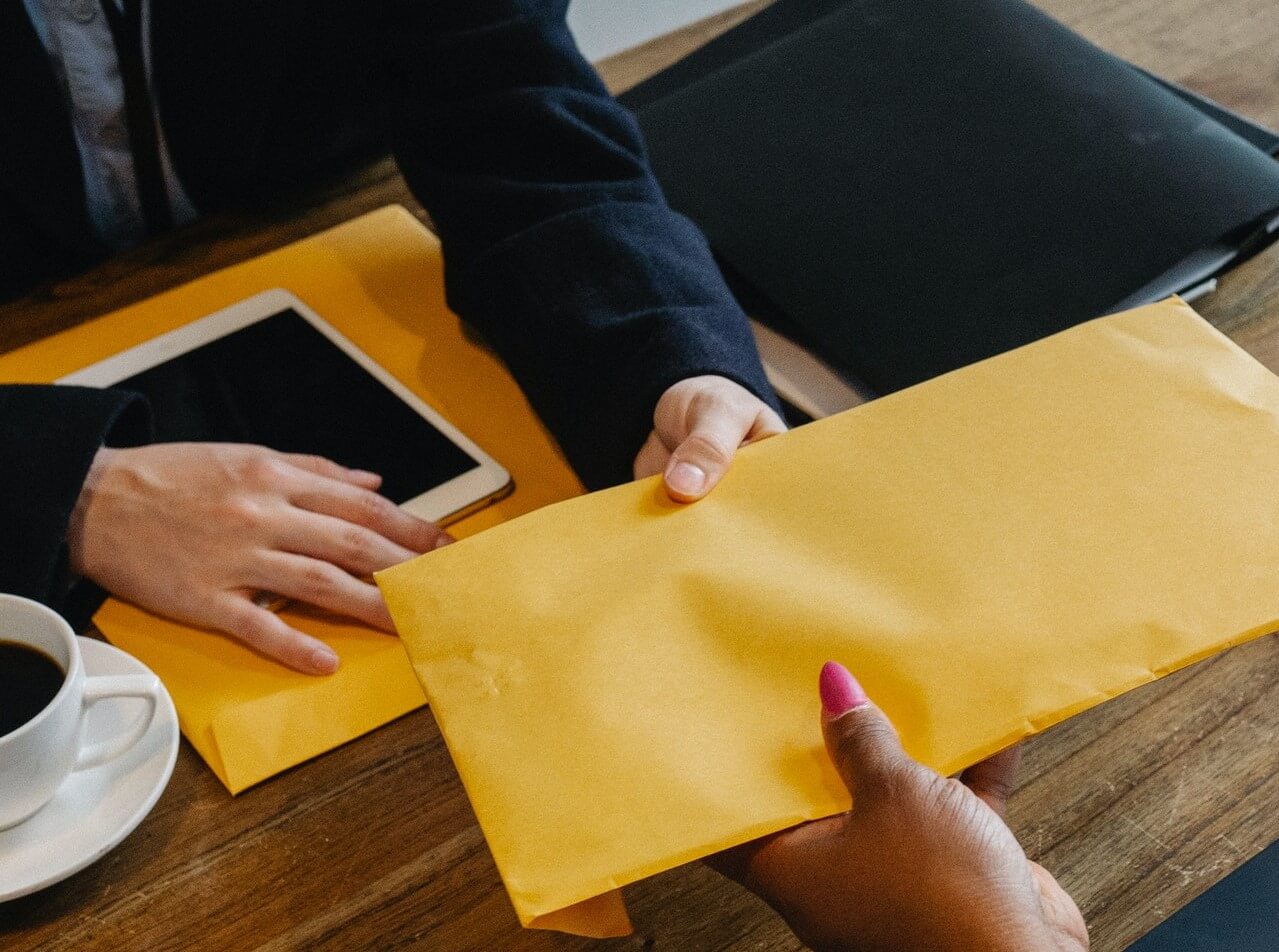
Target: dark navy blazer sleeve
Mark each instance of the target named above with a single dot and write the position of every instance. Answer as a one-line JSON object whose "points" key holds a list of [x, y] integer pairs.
{"points": [[48, 438], [559, 247]]}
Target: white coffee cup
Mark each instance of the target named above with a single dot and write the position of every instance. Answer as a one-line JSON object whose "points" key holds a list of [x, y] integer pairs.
{"points": [[36, 757]]}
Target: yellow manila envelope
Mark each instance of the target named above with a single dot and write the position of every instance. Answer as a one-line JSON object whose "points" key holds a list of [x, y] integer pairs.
{"points": [[626, 685], [379, 280]]}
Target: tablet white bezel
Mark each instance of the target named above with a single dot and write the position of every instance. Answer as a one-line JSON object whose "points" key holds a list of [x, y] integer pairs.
{"points": [[445, 503]]}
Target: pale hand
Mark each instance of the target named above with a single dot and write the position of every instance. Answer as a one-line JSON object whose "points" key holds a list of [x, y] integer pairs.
{"points": [[194, 530], [920, 862], [698, 426]]}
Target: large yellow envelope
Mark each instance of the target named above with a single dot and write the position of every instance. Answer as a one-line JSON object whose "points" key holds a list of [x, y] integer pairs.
{"points": [[626, 685], [379, 279]]}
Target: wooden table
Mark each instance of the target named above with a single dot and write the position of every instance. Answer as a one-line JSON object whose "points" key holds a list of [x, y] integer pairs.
{"points": [[1138, 806]]}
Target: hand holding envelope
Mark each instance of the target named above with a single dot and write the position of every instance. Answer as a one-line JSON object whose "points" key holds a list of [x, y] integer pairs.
{"points": [[991, 551], [919, 862]]}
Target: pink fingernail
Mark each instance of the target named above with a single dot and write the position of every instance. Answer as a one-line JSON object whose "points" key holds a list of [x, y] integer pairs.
{"points": [[840, 690]]}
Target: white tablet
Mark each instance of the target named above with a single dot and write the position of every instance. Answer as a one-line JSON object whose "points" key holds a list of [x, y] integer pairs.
{"points": [[271, 371]]}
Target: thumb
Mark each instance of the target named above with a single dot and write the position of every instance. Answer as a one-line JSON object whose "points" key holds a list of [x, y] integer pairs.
{"points": [[704, 455], [861, 740], [703, 421]]}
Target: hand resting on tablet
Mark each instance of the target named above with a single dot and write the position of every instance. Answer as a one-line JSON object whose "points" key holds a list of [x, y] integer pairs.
{"points": [[194, 530]]}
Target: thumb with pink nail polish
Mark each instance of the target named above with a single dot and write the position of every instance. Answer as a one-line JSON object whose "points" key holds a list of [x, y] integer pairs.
{"points": [[919, 862]]}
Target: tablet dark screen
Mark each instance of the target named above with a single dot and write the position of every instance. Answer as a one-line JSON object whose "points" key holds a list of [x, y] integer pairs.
{"points": [[281, 383]]}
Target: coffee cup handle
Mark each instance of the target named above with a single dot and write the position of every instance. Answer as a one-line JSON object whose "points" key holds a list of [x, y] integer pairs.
{"points": [[144, 686]]}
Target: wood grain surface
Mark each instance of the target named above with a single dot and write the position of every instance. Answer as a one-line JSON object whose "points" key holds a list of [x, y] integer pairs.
{"points": [[1138, 805]]}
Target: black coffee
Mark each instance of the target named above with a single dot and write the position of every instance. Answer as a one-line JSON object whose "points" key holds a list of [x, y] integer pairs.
{"points": [[29, 679]]}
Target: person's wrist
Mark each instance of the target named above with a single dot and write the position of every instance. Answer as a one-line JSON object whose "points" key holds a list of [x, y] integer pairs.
{"points": [[76, 523]]}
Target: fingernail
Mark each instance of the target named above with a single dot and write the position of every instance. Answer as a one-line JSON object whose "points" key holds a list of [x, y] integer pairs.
{"points": [[366, 475], [840, 690], [442, 540], [324, 660], [686, 478]]}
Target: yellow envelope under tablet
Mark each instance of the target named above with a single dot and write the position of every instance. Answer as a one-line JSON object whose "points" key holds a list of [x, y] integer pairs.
{"points": [[627, 685], [378, 279]]}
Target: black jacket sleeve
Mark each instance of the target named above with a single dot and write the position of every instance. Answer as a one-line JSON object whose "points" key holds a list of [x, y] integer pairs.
{"points": [[48, 438], [559, 247]]}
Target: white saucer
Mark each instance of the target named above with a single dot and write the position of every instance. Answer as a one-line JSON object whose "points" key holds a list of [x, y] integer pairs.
{"points": [[94, 809]]}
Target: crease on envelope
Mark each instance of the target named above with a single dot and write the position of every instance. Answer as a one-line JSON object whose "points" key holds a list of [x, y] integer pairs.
{"points": [[378, 279], [626, 685]]}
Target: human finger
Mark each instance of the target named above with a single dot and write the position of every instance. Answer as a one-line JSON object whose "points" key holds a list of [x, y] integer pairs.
{"points": [[992, 779], [702, 457], [652, 457], [366, 508], [323, 585], [704, 421], [266, 632], [322, 466], [861, 740], [767, 423], [359, 550]]}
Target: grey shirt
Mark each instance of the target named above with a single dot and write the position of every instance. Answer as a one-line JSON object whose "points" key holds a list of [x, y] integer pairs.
{"points": [[78, 40]]}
